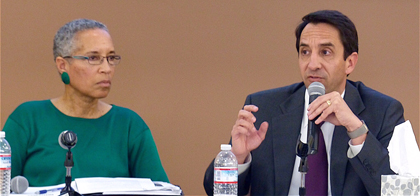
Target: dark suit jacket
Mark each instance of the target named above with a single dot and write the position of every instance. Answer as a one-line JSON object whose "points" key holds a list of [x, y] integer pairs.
{"points": [[273, 161]]}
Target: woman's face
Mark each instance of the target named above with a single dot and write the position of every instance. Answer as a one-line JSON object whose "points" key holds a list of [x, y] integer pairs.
{"points": [[88, 80]]}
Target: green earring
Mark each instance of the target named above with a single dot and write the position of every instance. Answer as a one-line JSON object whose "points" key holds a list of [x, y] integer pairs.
{"points": [[65, 78]]}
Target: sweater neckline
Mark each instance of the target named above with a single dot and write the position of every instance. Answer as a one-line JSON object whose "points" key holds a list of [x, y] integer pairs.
{"points": [[62, 114]]}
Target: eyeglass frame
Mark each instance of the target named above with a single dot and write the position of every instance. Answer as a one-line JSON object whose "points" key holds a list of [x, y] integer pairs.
{"points": [[100, 61]]}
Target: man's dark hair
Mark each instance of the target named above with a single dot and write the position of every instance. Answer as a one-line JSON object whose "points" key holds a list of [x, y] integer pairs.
{"points": [[342, 23]]}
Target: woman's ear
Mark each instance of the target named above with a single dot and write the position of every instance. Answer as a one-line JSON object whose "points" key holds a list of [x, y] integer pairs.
{"points": [[61, 64]]}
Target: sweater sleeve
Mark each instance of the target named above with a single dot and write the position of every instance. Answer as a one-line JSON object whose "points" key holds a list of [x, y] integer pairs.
{"points": [[18, 136], [144, 158]]}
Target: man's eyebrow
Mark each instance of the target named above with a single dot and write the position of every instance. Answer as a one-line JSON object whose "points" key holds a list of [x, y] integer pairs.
{"points": [[303, 45], [327, 44]]}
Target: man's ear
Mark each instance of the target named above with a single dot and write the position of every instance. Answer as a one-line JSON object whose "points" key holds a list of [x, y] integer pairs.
{"points": [[351, 62]]}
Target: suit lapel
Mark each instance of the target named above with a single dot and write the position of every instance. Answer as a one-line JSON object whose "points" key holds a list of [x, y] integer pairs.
{"points": [[339, 146], [285, 129]]}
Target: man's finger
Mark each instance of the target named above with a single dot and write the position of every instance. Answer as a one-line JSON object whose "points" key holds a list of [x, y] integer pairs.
{"points": [[251, 108], [263, 130]]}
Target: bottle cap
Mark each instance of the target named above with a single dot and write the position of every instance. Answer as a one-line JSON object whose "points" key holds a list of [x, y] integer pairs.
{"points": [[2, 134], [225, 147]]}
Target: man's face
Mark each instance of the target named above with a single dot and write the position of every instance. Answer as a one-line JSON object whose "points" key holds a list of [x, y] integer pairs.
{"points": [[321, 57]]}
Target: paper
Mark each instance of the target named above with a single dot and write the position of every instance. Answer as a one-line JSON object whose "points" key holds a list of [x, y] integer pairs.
{"points": [[100, 184], [51, 190], [161, 188], [111, 186], [404, 153]]}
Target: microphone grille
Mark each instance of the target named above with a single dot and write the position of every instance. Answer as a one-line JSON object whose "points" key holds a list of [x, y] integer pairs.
{"points": [[19, 184], [67, 139], [316, 88]]}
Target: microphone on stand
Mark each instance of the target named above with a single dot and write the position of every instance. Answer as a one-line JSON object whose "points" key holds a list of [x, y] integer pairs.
{"points": [[315, 90], [67, 140], [19, 184]]}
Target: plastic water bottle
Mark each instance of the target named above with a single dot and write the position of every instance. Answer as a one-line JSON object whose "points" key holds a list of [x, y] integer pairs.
{"points": [[225, 172], [5, 165]]}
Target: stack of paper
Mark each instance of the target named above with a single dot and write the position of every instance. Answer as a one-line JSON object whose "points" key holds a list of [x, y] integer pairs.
{"points": [[125, 186], [110, 186]]}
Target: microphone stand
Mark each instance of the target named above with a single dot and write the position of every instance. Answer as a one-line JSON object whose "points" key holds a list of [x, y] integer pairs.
{"points": [[68, 163], [302, 152]]}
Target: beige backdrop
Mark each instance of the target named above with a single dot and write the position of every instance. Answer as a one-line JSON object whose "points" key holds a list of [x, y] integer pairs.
{"points": [[189, 64]]}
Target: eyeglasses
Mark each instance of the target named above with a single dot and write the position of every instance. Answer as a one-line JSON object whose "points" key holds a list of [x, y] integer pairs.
{"points": [[97, 59]]}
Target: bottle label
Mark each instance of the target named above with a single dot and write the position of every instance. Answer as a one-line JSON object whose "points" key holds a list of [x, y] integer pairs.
{"points": [[5, 162], [227, 175]]}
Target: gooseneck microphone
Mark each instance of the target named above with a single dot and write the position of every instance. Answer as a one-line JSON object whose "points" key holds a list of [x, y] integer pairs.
{"points": [[315, 90], [19, 184], [67, 139]]}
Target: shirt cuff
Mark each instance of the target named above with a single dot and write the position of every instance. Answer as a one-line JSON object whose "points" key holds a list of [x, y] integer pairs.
{"points": [[354, 149], [243, 167]]}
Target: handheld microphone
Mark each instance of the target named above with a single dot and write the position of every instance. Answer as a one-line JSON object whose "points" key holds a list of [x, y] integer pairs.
{"points": [[315, 90], [67, 139], [19, 184]]}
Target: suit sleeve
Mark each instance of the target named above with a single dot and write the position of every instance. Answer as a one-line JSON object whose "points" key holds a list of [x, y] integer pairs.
{"points": [[373, 159]]}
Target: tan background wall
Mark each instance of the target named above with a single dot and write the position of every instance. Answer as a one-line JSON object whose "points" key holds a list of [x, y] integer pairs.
{"points": [[188, 65]]}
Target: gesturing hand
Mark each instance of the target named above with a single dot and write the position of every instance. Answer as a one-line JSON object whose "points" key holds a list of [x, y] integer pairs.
{"points": [[245, 136]]}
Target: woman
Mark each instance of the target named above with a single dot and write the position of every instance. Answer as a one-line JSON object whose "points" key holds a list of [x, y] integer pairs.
{"points": [[112, 141]]}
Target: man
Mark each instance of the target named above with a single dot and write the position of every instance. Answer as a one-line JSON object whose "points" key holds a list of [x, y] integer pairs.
{"points": [[357, 122]]}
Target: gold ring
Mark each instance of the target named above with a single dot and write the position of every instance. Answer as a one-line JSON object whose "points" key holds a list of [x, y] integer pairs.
{"points": [[328, 102]]}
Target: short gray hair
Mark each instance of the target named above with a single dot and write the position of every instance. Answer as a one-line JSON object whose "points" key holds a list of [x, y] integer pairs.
{"points": [[64, 43]]}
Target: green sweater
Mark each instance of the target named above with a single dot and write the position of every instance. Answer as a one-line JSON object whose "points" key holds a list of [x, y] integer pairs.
{"points": [[118, 144]]}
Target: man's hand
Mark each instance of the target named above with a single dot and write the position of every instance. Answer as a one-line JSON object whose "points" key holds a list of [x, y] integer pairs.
{"points": [[332, 108], [245, 136]]}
